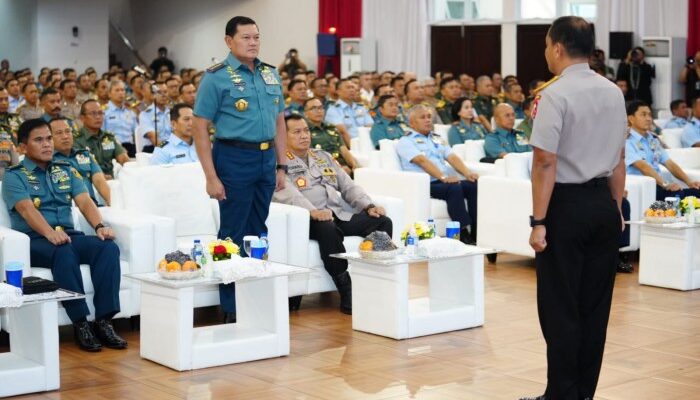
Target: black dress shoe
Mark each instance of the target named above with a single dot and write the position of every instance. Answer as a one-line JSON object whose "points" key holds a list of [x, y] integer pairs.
{"points": [[229, 318], [105, 332], [85, 337], [294, 303], [625, 267], [344, 285]]}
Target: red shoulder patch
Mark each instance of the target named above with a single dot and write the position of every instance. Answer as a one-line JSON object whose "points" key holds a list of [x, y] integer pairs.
{"points": [[534, 106]]}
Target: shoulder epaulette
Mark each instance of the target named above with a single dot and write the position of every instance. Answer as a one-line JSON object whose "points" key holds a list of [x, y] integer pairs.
{"points": [[518, 131], [268, 65], [544, 85], [14, 167], [440, 104], [163, 143], [60, 162], [215, 67]]}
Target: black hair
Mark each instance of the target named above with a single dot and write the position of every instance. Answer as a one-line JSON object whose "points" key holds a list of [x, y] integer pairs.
{"points": [[405, 88], [232, 24], [67, 71], [162, 48], [175, 111], [445, 81], [313, 81], [28, 126], [384, 99], [182, 87], [527, 102], [533, 84], [86, 102], [26, 85], [676, 103], [97, 82], [59, 118], [65, 82], [575, 34], [48, 91], [293, 117], [635, 105], [457, 106], [293, 83], [310, 99], [395, 79], [340, 82], [133, 78]]}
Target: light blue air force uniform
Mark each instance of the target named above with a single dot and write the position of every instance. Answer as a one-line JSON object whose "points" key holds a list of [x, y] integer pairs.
{"points": [[159, 123], [675, 122], [121, 121], [174, 151], [691, 133], [646, 148], [352, 116], [431, 146]]}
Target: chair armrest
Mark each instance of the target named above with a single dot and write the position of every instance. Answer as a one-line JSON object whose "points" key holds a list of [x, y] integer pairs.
{"points": [[115, 193], [14, 246], [298, 220], [413, 188]]}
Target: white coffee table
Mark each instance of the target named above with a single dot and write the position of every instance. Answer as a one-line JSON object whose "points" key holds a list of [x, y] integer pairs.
{"points": [[380, 303], [669, 255], [261, 331], [32, 364]]}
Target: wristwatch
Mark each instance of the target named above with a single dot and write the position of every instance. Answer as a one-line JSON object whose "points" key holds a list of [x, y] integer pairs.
{"points": [[370, 206], [283, 167], [98, 226], [534, 222]]}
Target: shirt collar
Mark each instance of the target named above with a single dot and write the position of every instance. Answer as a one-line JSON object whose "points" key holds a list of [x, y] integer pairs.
{"points": [[638, 136], [176, 141], [29, 164], [112, 106], [575, 68], [343, 104], [235, 64], [415, 132], [502, 132], [695, 121]]}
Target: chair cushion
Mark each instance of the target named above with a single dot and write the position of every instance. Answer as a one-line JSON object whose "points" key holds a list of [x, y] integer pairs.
{"points": [[352, 243]]}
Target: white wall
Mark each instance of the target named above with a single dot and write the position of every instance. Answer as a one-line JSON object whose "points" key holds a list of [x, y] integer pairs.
{"points": [[18, 33], [56, 46], [193, 31]]}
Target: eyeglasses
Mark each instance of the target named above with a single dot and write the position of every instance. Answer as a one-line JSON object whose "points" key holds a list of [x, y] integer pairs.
{"points": [[95, 114], [315, 108]]}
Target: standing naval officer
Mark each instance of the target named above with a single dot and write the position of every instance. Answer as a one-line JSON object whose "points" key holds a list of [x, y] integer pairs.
{"points": [[578, 178], [243, 98]]}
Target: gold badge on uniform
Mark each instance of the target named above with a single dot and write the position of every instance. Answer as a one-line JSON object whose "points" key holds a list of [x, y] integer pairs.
{"points": [[300, 182], [241, 105], [318, 147], [37, 203]]}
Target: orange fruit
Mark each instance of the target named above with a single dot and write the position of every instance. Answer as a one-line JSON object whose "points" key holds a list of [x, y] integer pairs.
{"points": [[189, 266], [173, 266], [366, 246], [162, 264], [649, 212], [659, 213], [670, 213]]}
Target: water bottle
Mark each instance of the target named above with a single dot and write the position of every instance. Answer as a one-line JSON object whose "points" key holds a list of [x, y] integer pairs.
{"points": [[691, 209], [197, 252], [431, 224], [266, 243], [411, 242]]}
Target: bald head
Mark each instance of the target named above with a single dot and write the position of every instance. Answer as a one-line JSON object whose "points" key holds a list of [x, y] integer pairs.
{"points": [[484, 86], [504, 116]]}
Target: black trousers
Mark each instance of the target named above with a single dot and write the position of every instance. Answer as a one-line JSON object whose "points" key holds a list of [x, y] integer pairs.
{"points": [[330, 235], [130, 149], [454, 195], [575, 279], [662, 193]]}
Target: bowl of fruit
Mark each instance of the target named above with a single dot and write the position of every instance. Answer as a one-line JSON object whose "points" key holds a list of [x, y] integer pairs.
{"points": [[178, 266], [378, 246], [660, 212]]}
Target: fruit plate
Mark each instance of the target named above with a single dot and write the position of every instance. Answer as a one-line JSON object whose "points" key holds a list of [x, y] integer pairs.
{"points": [[662, 220], [380, 255], [180, 275]]}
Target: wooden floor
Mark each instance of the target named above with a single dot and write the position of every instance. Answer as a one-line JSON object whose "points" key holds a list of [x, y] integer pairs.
{"points": [[653, 352]]}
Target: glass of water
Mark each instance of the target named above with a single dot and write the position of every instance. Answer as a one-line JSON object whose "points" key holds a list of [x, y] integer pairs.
{"points": [[247, 240]]}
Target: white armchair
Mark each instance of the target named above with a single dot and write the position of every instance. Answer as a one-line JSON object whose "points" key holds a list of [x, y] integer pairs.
{"points": [[134, 237], [672, 137], [363, 150], [471, 152], [505, 202]]}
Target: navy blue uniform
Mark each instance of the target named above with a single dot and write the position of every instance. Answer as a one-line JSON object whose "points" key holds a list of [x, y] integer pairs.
{"points": [[244, 106], [52, 191]]}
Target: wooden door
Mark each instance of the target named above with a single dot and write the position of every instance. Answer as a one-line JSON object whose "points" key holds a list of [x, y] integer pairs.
{"points": [[474, 49], [531, 63]]}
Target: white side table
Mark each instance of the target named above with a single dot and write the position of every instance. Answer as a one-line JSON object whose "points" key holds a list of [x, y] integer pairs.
{"points": [[670, 255], [261, 331], [380, 303], [32, 363]]}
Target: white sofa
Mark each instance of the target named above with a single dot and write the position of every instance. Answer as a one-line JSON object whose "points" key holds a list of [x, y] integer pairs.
{"points": [[363, 150], [505, 203], [158, 190], [672, 137], [134, 236]]}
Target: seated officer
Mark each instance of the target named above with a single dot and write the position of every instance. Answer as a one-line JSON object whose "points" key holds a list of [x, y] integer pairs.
{"points": [[450, 90], [387, 125], [155, 125], [644, 155], [346, 112], [505, 139], [485, 101], [526, 124], [80, 159], [415, 94], [39, 193], [467, 128], [8, 130], [51, 103], [514, 97], [316, 183], [422, 151], [691, 131], [102, 144], [179, 148], [326, 137], [298, 94], [679, 110], [119, 118]]}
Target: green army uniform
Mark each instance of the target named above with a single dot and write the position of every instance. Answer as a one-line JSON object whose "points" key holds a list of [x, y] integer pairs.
{"points": [[526, 127], [326, 137], [485, 105], [84, 162], [9, 123], [444, 110], [104, 147]]}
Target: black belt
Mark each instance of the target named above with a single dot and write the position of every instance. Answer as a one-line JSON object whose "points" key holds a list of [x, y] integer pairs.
{"points": [[262, 146], [595, 182]]}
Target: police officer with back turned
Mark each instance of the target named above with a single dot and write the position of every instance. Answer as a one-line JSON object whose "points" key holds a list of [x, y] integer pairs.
{"points": [[578, 179], [242, 96]]}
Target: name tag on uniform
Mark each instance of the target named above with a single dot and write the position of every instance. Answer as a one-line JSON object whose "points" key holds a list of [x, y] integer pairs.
{"points": [[522, 140], [180, 155], [269, 77], [82, 159], [108, 145], [112, 117]]}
